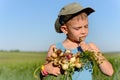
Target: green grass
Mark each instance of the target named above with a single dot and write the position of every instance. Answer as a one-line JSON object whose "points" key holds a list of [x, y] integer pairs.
{"points": [[20, 57], [114, 59], [21, 65]]}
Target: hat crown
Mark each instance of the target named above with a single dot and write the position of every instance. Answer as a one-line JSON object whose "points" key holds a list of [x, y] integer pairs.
{"points": [[70, 9], [68, 12]]}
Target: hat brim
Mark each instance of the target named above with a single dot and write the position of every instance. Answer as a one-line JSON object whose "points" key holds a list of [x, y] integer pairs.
{"points": [[88, 11]]}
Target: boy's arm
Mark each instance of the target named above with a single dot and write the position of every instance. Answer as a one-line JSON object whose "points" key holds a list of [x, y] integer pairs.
{"points": [[48, 66], [105, 65]]}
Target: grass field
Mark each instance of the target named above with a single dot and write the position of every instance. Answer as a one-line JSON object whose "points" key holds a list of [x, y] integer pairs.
{"points": [[114, 58], [21, 65]]}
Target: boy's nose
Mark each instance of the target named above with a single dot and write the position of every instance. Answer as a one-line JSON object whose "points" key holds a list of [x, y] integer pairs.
{"points": [[83, 31]]}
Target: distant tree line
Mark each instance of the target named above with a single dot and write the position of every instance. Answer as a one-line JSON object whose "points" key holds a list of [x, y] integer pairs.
{"points": [[16, 50]]}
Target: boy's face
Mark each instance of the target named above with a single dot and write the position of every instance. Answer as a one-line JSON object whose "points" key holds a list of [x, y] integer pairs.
{"points": [[77, 28]]}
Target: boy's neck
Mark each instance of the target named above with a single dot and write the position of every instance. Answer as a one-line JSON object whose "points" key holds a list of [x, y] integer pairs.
{"points": [[72, 42]]}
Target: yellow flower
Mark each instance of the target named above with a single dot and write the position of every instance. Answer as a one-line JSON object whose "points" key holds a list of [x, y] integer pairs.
{"points": [[64, 61], [61, 54], [54, 55], [56, 62], [78, 65], [64, 66], [72, 60], [67, 51]]}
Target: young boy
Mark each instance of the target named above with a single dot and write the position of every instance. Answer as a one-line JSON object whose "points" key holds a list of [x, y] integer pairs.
{"points": [[73, 22]]}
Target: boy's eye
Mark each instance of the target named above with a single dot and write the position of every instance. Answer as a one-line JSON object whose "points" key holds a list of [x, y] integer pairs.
{"points": [[86, 26], [77, 28]]}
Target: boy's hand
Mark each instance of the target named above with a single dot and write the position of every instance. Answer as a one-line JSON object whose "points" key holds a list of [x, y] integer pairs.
{"points": [[90, 47], [51, 69], [84, 46]]}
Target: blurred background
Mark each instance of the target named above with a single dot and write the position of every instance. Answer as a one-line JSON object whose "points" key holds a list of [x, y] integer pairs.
{"points": [[27, 31], [28, 25]]}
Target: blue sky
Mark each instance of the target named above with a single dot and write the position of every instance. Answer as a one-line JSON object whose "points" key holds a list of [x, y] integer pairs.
{"points": [[28, 25]]}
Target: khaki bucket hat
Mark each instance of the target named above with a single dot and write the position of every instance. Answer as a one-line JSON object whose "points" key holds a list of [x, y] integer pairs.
{"points": [[68, 12]]}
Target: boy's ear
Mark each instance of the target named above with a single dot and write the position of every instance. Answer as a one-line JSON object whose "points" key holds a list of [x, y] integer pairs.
{"points": [[64, 29]]}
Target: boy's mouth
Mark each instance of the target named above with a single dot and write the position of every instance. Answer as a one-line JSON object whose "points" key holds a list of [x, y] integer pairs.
{"points": [[82, 38]]}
